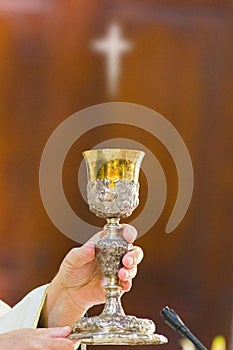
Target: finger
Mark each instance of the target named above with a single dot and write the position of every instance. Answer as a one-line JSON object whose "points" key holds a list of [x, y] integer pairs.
{"points": [[79, 257], [133, 257], [55, 344], [129, 233], [126, 285], [127, 274], [76, 344], [55, 332], [95, 238]]}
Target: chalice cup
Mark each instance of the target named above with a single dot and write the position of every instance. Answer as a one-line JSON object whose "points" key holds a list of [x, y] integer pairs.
{"points": [[112, 193]]}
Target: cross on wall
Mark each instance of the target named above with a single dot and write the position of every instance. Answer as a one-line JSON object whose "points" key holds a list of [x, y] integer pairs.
{"points": [[113, 45]]}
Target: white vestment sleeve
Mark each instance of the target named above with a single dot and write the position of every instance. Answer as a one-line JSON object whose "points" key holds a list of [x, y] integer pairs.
{"points": [[4, 308], [24, 314]]}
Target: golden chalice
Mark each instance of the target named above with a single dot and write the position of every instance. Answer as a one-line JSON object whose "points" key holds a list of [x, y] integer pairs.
{"points": [[112, 193]]}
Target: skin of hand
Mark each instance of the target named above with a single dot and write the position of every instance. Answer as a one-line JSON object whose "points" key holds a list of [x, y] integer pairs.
{"points": [[37, 339], [79, 284]]}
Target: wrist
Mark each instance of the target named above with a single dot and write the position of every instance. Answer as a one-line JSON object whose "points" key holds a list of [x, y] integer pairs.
{"points": [[59, 309]]}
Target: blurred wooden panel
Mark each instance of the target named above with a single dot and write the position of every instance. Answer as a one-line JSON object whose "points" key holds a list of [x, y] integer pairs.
{"points": [[180, 66]]}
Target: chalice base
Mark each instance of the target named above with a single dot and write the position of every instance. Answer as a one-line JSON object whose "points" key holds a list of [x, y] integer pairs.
{"points": [[116, 330]]}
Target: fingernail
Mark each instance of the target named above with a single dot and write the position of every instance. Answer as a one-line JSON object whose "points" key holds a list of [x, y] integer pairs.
{"points": [[127, 275], [130, 260], [130, 233]]}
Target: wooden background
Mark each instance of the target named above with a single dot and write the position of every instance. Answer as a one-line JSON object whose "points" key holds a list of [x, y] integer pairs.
{"points": [[181, 66]]}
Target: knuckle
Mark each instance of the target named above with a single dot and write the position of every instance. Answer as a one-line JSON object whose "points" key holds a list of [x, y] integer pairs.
{"points": [[133, 272], [138, 254]]}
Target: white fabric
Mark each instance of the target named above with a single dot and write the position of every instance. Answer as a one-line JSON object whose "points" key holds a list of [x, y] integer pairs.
{"points": [[4, 308], [24, 314]]}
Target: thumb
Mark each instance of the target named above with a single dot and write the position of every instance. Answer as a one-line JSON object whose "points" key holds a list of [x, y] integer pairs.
{"points": [[56, 332], [79, 257]]}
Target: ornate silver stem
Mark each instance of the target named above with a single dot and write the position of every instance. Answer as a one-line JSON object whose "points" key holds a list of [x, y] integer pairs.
{"points": [[113, 301], [109, 251]]}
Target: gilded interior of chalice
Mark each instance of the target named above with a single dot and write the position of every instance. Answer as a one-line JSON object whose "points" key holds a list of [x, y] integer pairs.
{"points": [[113, 193]]}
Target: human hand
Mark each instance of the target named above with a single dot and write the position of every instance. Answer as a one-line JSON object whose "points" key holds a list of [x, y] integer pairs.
{"points": [[79, 282], [40, 339]]}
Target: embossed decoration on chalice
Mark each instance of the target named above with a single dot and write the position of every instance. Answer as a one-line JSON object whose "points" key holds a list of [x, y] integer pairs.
{"points": [[112, 193]]}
